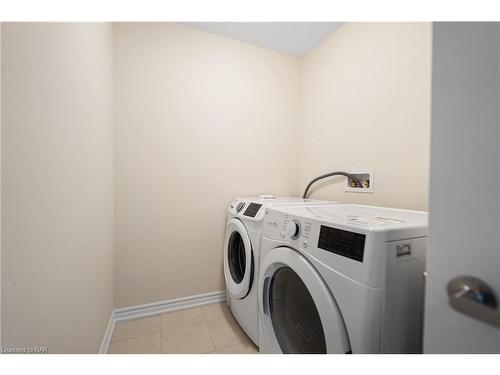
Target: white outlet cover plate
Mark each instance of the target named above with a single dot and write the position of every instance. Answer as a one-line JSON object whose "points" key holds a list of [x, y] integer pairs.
{"points": [[361, 190]]}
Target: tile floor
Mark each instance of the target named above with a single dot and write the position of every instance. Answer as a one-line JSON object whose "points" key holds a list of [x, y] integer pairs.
{"points": [[205, 329]]}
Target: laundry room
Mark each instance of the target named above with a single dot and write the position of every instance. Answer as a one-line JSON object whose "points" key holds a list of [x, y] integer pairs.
{"points": [[247, 187]]}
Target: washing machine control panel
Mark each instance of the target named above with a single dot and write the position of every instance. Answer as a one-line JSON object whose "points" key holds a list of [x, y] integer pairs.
{"points": [[342, 242], [304, 233], [293, 229]]}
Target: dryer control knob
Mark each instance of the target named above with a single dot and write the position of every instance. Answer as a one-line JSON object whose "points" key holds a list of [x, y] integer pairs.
{"points": [[240, 206], [293, 229]]}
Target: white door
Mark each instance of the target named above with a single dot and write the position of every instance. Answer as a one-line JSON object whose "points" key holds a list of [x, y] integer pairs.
{"points": [[463, 256], [238, 260], [297, 312]]}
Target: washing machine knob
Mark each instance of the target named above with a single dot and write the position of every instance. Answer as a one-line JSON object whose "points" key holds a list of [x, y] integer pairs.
{"points": [[293, 229]]}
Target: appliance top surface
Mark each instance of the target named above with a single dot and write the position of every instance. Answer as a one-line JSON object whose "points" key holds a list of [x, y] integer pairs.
{"points": [[271, 200], [368, 217]]}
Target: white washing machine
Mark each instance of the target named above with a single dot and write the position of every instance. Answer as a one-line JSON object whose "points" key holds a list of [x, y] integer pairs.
{"points": [[342, 279], [242, 255]]}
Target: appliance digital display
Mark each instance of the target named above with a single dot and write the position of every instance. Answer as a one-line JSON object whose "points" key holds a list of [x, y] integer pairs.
{"points": [[252, 209], [342, 242]]}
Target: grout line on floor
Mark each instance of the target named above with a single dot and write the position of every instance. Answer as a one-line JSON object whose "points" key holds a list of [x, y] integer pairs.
{"points": [[205, 321], [211, 338]]}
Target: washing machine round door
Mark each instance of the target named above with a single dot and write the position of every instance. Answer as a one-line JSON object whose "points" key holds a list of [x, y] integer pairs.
{"points": [[238, 259], [298, 313]]}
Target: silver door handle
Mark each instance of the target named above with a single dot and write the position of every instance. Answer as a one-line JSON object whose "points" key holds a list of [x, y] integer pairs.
{"points": [[472, 296]]}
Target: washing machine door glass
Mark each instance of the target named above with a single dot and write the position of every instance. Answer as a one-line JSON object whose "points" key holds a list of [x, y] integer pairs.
{"points": [[236, 256], [298, 313], [238, 260], [296, 321]]}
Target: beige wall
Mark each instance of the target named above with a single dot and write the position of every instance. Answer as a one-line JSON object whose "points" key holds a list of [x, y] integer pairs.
{"points": [[57, 185], [199, 119], [366, 104]]}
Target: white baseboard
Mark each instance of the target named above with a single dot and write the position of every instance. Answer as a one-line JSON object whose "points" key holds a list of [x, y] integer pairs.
{"points": [[107, 336], [155, 308]]}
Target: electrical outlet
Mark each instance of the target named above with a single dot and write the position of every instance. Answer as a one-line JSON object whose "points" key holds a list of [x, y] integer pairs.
{"points": [[365, 176]]}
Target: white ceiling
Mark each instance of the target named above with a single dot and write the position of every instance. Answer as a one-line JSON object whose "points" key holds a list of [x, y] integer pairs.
{"points": [[293, 38]]}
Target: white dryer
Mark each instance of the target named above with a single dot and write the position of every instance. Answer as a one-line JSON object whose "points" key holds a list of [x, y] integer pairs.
{"points": [[242, 255], [342, 279]]}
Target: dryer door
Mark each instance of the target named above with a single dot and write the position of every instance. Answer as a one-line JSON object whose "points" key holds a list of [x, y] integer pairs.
{"points": [[238, 260], [298, 313]]}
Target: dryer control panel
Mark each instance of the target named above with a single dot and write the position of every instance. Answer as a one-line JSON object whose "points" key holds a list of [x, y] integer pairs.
{"points": [[252, 209], [247, 209]]}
